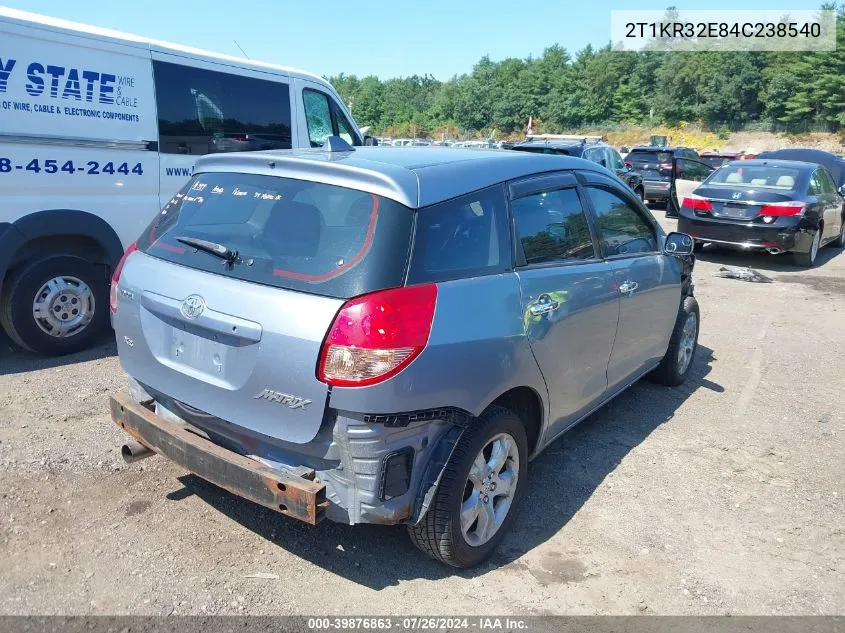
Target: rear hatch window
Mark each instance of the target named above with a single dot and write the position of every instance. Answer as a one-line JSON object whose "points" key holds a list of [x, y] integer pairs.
{"points": [[291, 234], [645, 156]]}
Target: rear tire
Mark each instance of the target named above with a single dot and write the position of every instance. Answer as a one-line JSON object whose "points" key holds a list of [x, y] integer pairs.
{"points": [[806, 260], [440, 533], [69, 293], [678, 360]]}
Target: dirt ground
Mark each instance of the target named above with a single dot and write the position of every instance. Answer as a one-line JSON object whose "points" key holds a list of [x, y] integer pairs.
{"points": [[723, 496]]}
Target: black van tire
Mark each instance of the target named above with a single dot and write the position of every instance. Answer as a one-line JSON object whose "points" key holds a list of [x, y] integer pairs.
{"points": [[20, 289], [438, 534], [668, 372]]}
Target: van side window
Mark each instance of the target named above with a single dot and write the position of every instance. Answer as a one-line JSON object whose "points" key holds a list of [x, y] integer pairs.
{"points": [[552, 227], [324, 118], [463, 237], [204, 112]]}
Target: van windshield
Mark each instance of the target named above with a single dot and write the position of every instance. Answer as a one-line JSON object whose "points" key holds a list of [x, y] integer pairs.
{"points": [[292, 234]]}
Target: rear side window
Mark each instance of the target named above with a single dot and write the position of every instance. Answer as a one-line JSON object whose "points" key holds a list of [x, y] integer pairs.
{"points": [[292, 234], [203, 111], [551, 226], [623, 230], [615, 159], [466, 236]]}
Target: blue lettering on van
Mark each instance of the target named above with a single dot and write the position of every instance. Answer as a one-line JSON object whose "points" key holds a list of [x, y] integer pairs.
{"points": [[71, 83], [5, 70], [36, 83], [72, 86]]}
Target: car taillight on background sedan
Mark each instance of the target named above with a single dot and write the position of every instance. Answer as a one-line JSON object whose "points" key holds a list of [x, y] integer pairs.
{"points": [[375, 336], [116, 276], [780, 209], [697, 203]]}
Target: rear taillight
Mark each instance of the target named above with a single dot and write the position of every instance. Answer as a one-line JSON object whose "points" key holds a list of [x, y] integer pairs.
{"points": [[665, 165], [697, 203], [376, 336], [116, 276], [778, 209]]}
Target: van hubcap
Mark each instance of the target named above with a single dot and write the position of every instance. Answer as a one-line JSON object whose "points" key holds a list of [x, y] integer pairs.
{"points": [[687, 346], [490, 489], [63, 306]]}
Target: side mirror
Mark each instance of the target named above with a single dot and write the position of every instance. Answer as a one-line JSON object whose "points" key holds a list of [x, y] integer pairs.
{"points": [[678, 244], [842, 190], [370, 140]]}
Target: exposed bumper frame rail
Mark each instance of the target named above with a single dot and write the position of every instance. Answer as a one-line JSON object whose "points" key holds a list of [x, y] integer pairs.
{"points": [[282, 491]]}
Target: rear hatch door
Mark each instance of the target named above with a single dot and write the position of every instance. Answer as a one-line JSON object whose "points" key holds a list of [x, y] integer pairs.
{"points": [[240, 339], [653, 165]]}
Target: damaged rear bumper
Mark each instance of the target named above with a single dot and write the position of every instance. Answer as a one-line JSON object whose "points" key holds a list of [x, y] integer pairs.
{"points": [[287, 493], [359, 469]]}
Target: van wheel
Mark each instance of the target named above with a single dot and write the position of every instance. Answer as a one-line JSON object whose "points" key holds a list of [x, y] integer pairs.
{"points": [[479, 492], [56, 305], [677, 361]]}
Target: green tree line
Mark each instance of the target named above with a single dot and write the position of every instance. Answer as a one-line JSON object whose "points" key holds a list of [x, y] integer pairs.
{"points": [[600, 87]]}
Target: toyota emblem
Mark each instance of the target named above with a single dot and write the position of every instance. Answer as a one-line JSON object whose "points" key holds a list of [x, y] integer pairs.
{"points": [[192, 307]]}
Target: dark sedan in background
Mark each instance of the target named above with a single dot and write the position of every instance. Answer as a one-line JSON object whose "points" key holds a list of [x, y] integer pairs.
{"points": [[777, 206]]}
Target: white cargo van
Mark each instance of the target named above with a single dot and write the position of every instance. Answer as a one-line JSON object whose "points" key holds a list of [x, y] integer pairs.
{"points": [[98, 129]]}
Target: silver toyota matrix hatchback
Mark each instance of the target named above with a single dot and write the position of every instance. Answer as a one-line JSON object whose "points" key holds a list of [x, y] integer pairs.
{"points": [[389, 335]]}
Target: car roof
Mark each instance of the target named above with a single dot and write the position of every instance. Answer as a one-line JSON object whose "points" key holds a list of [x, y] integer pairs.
{"points": [[413, 176], [833, 162], [559, 143], [757, 162], [657, 148]]}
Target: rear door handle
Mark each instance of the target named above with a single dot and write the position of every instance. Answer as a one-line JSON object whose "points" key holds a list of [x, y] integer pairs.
{"points": [[628, 287]]}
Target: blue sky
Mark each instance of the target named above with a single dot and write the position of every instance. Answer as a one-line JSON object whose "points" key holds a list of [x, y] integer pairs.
{"points": [[387, 39]]}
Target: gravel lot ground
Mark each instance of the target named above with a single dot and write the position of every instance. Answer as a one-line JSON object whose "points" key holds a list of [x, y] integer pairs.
{"points": [[723, 496]]}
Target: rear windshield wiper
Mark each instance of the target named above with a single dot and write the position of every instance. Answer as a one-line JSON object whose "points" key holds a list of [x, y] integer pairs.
{"points": [[223, 252]]}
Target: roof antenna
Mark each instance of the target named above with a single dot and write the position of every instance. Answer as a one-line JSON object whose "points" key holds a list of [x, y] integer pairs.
{"points": [[242, 50]]}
